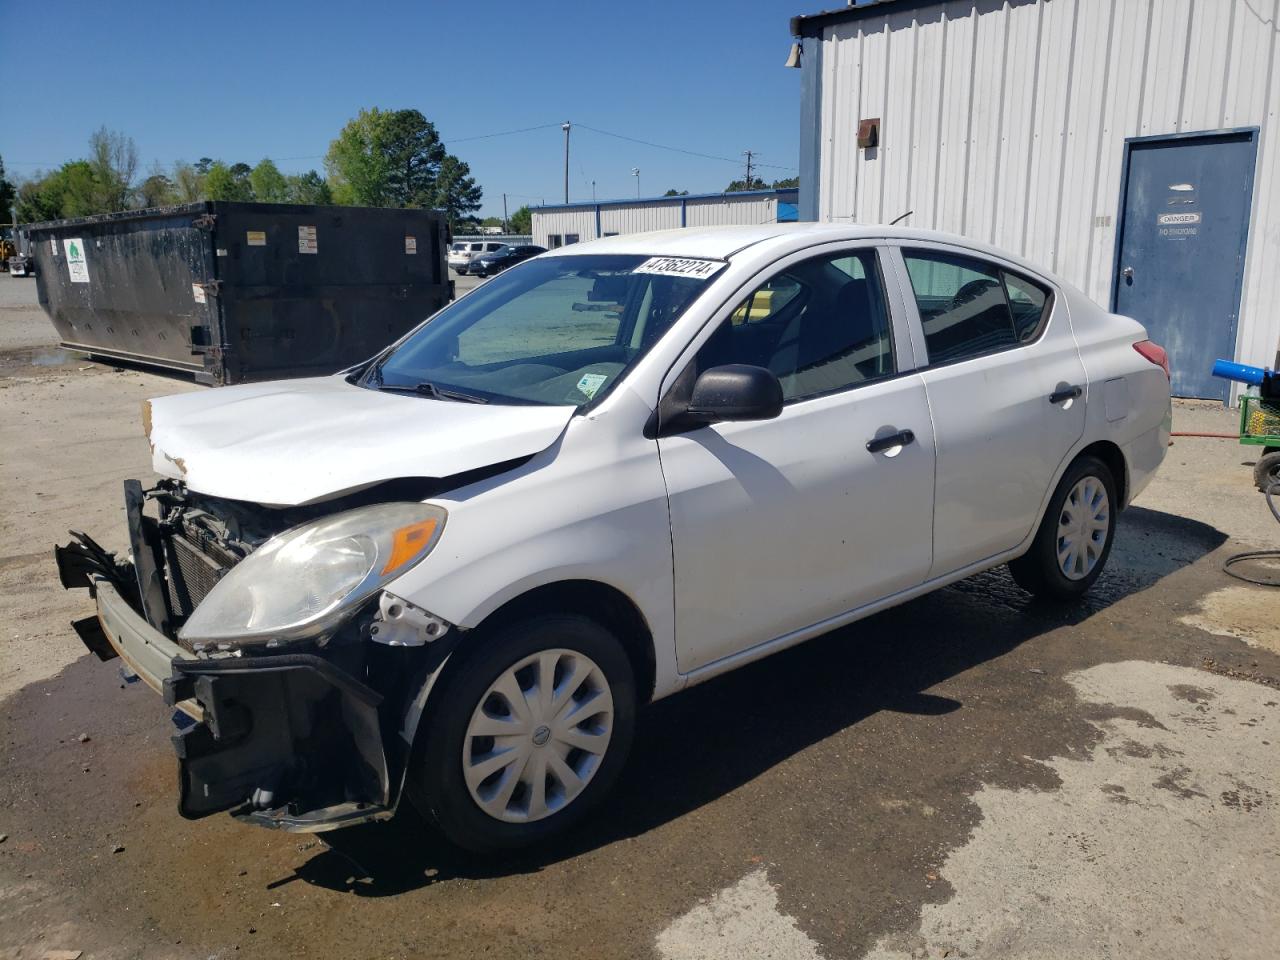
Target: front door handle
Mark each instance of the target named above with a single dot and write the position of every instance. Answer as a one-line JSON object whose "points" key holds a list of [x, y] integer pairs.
{"points": [[899, 439], [1067, 393]]}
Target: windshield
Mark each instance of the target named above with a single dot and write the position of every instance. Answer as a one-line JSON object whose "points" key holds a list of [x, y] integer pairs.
{"points": [[555, 331]]}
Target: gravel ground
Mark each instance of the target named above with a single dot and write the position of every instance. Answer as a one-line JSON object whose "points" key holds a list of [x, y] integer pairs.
{"points": [[970, 774], [22, 322]]}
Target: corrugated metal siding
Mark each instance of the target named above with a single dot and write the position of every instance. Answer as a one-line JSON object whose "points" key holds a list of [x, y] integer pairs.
{"points": [[615, 217], [639, 217], [1005, 120], [729, 212], [579, 220]]}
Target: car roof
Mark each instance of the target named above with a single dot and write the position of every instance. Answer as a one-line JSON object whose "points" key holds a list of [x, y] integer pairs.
{"points": [[721, 243]]}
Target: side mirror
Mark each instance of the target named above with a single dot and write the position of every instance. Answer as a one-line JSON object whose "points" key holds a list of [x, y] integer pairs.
{"points": [[736, 391]]}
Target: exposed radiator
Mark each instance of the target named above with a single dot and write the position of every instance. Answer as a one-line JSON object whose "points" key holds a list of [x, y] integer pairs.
{"points": [[191, 573]]}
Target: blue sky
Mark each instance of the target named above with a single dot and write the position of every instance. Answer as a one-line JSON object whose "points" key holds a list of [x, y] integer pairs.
{"points": [[244, 80]]}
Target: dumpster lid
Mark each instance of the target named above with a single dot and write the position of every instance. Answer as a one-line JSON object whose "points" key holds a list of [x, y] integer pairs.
{"points": [[294, 442]]}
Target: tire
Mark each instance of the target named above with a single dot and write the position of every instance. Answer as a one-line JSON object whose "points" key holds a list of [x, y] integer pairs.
{"points": [[1267, 471], [454, 734], [1039, 570]]}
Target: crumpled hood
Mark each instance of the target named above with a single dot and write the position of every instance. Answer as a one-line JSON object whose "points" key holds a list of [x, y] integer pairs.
{"points": [[292, 442]]}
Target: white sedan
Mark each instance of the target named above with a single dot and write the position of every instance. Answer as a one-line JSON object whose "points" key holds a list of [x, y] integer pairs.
{"points": [[616, 470]]}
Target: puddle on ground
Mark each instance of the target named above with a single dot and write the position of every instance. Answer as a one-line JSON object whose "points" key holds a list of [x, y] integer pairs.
{"points": [[42, 357], [1245, 612]]}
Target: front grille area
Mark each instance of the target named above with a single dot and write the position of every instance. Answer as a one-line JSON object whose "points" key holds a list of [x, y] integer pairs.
{"points": [[191, 573]]}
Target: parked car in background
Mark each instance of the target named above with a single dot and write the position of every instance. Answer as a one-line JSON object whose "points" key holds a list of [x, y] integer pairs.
{"points": [[487, 264], [462, 252], [456, 571], [491, 249]]}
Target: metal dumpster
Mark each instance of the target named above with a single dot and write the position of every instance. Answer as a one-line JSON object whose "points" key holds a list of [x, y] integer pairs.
{"points": [[231, 292]]}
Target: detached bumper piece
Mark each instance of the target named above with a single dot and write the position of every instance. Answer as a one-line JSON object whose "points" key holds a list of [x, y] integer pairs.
{"points": [[289, 741]]}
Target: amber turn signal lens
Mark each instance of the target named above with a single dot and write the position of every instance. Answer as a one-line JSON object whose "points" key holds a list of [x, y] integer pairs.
{"points": [[408, 542]]}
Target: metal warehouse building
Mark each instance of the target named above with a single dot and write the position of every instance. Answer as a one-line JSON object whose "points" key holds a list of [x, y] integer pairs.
{"points": [[555, 226], [1128, 145]]}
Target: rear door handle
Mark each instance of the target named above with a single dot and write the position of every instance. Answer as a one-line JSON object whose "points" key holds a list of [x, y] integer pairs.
{"points": [[1070, 393], [899, 439]]}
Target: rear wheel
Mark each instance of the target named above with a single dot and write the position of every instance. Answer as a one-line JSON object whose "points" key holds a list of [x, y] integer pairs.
{"points": [[1266, 472], [528, 734], [1074, 539]]}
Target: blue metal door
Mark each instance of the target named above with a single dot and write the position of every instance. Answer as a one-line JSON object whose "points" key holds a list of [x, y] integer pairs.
{"points": [[1181, 244]]}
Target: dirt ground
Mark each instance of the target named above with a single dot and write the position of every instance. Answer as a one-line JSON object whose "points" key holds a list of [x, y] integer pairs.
{"points": [[968, 775]]}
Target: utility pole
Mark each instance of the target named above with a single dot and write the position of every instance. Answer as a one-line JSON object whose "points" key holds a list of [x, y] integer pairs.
{"points": [[565, 127], [506, 224], [635, 172], [749, 155]]}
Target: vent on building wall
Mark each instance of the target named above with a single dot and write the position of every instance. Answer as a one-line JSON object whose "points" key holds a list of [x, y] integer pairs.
{"points": [[869, 132]]}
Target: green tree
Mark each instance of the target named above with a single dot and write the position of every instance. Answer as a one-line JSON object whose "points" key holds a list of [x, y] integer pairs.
{"points": [[308, 187], [738, 185], [69, 191], [790, 183], [188, 182], [394, 158], [676, 193], [358, 164], [113, 158], [157, 190], [228, 183], [268, 183], [414, 157], [39, 199], [457, 192], [522, 221], [8, 193]]}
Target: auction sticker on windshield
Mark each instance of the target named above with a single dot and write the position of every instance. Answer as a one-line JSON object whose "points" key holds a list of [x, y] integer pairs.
{"points": [[680, 267], [590, 383]]}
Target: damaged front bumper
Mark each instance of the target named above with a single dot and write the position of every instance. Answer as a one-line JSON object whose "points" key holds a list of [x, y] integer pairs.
{"points": [[308, 735], [286, 740]]}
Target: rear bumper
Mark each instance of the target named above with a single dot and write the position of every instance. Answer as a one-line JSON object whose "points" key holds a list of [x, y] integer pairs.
{"points": [[1144, 454]]}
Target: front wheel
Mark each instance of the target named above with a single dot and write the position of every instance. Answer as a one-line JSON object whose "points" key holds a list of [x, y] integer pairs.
{"points": [[527, 735], [1074, 539]]}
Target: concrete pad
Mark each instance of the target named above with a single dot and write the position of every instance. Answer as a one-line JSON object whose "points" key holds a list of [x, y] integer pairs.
{"points": [[1163, 840], [1248, 613], [741, 921]]}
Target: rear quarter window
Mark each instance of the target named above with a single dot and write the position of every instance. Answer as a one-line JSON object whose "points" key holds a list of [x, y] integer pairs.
{"points": [[970, 307]]}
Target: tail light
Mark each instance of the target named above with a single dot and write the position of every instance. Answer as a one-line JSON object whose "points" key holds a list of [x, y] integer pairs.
{"points": [[1155, 353]]}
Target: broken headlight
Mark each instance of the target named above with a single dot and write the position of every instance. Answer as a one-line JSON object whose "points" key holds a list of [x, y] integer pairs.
{"points": [[304, 582]]}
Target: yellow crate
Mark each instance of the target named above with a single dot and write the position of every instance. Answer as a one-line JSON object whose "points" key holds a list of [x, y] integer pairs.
{"points": [[1260, 418]]}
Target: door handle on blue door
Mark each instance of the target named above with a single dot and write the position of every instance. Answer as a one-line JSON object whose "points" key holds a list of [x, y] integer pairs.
{"points": [[1067, 393], [899, 439]]}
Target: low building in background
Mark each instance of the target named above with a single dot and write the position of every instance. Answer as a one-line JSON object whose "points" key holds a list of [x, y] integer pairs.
{"points": [[562, 224]]}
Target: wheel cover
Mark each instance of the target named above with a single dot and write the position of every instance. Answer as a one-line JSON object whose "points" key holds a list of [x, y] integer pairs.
{"points": [[1084, 523], [538, 736]]}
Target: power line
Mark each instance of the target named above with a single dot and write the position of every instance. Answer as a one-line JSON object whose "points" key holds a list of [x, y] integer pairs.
{"points": [[503, 133], [691, 153]]}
